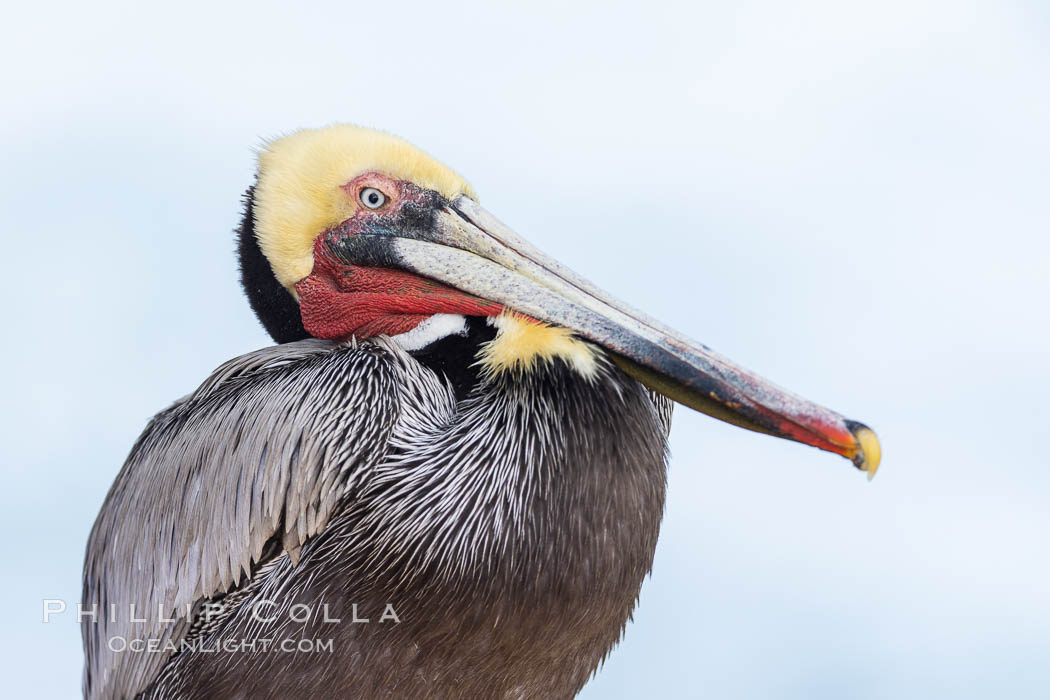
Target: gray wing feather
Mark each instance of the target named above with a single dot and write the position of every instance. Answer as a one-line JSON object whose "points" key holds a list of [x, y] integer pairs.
{"points": [[264, 450]]}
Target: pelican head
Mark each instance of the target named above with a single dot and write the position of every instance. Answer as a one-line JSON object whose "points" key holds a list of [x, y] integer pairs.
{"points": [[356, 233]]}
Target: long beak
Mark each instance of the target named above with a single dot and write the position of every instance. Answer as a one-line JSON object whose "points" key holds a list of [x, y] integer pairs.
{"points": [[471, 250]]}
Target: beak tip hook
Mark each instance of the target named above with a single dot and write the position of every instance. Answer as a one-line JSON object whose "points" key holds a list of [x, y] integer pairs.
{"points": [[869, 451]]}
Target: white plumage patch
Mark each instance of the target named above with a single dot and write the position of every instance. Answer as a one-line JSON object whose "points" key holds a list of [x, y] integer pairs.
{"points": [[431, 330]]}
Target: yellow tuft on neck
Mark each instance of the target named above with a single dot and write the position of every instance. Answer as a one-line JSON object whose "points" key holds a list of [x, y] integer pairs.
{"points": [[522, 343], [298, 193]]}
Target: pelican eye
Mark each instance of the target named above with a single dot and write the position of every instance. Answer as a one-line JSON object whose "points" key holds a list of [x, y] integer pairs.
{"points": [[372, 198]]}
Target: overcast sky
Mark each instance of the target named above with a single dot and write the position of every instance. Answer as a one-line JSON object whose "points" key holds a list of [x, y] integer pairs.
{"points": [[851, 198]]}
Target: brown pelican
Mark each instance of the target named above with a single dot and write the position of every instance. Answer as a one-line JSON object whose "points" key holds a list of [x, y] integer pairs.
{"points": [[455, 438]]}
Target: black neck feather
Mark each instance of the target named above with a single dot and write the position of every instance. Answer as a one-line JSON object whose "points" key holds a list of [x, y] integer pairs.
{"points": [[273, 304], [455, 356]]}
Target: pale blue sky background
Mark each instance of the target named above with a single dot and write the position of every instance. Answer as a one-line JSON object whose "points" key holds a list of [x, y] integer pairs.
{"points": [[851, 198]]}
